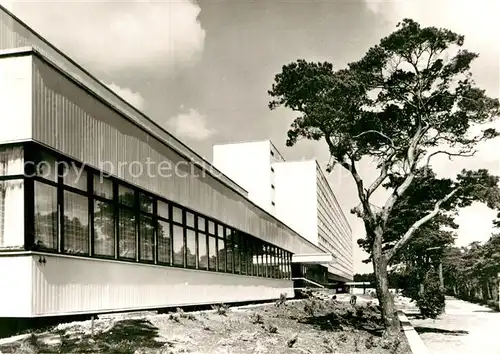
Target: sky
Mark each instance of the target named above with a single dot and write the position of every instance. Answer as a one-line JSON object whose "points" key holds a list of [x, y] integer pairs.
{"points": [[202, 69]]}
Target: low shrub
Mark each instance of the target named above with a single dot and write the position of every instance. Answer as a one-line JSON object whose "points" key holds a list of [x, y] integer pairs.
{"points": [[291, 342], [256, 318], [343, 337], [272, 329], [370, 342], [431, 303], [221, 309], [281, 300]]}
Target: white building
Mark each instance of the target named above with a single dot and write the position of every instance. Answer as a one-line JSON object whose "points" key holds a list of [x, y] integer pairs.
{"points": [[250, 164], [296, 192]]}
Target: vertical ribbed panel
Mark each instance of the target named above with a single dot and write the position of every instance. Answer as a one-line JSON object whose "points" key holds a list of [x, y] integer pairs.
{"points": [[14, 34], [64, 285], [11, 34]]}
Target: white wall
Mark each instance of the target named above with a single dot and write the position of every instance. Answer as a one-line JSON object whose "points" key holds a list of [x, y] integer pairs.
{"points": [[15, 99], [71, 285], [296, 197], [249, 165], [16, 285]]}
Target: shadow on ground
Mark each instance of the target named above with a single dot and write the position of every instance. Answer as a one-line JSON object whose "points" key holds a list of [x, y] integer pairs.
{"points": [[125, 337], [421, 330], [360, 318]]}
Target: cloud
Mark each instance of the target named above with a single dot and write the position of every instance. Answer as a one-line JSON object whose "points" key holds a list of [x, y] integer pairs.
{"points": [[192, 125], [114, 36], [134, 98]]}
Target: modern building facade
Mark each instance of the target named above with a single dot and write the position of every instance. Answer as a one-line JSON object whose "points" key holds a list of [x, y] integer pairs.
{"points": [[102, 210], [297, 193]]}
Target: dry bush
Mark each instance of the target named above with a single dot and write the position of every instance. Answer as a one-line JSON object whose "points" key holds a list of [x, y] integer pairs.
{"points": [[221, 309], [256, 318], [281, 300]]}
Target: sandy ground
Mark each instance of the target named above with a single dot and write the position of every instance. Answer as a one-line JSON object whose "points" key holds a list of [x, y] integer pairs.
{"points": [[309, 326]]}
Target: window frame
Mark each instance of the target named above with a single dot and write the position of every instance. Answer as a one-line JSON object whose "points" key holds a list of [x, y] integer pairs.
{"points": [[251, 252]]}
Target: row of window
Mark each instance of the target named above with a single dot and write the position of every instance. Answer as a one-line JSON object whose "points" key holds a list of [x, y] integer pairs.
{"points": [[333, 221], [325, 194], [81, 213]]}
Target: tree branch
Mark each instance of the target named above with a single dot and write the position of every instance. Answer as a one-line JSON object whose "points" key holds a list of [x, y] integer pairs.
{"points": [[376, 132], [412, 157], [411, 231], [450, 155], [384, 172], [351, 167]]}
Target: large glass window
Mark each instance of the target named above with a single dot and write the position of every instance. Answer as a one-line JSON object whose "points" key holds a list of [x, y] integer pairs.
{"points": [[191, 248], [11, 213], [262, 260], [11, 161], [270, 260], [267, 261], [189, 219], [201, 224], [179, 248], [202, 251], [45, 216], [229, 250], [280, 264], [253, 256], [126, 234], [221, 247], [74, 176], [126, 196], [177, 215], [147, 238], [237, 252], [163, 210], [211, 227], [164, 242], [212, 253], [76, 224], [243, 253], [46, 166], [104, 229], [146, 203], [127, 222], [274, 255], [103, 187], [289, 273]]}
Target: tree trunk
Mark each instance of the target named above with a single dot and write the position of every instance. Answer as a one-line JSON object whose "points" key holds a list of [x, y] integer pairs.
{"points": [[386, 301], [484, 292]]}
